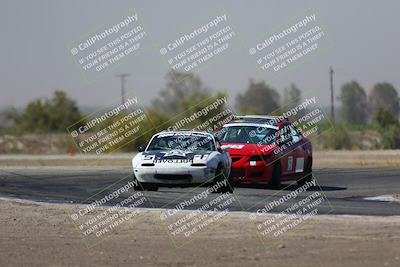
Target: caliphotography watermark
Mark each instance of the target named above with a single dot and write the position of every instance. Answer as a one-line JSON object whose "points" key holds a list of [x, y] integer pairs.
{"points": [[102, 49], [207, 116], [110, 128], [185, 153], [188, 51], [287, 136], [288, 211], [198, 211], [287, 45], [112, 208]]}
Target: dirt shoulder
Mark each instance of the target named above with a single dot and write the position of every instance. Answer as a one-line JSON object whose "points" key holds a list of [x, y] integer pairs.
{"points": [[44, 235]]}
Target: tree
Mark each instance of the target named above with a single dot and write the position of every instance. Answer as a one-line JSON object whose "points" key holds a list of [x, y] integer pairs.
{"points": [[384, 118], [292, 95], [391, 137], [354, 103], [259, 98], [182, 91], [337, 138], [185, 98], [46, 115], [384, 95], [148, 129], [63, 111], [389, 127]]}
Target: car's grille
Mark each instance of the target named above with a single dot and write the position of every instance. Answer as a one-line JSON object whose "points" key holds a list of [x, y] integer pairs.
{"points": [[234, 159], [173, 176], [264, 158], [238, 172], [256, 174]]}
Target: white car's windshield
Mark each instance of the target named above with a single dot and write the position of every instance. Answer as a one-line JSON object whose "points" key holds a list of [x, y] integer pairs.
{"points": [[249, 135], [182, 142]]}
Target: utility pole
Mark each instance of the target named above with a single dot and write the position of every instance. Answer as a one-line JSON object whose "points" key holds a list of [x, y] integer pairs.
{"points": [[332, 103], [123, 81]]}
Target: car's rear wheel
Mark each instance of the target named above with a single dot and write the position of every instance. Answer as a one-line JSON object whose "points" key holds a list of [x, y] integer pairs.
{"points": [[276, 177]]}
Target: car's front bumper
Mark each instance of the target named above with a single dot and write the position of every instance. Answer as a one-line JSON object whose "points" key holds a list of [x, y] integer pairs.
{"points": [[174, 176], [244, 173]]}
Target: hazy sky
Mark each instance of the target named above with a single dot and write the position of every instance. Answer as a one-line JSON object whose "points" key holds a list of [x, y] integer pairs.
{"points": [[35, 59]]}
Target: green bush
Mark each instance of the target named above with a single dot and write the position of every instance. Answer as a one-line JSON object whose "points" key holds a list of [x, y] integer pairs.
{"points": [[336, 138], [391, 137], [389, 127]]}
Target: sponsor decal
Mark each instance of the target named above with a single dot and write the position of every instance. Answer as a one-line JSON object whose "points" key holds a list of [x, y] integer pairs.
{"points": [[173, 153], [290, 163], [173, 161], [299, 164]]}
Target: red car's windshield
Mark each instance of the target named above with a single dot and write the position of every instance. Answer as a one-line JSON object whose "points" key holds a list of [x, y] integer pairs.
{"points": [[249, 135]]}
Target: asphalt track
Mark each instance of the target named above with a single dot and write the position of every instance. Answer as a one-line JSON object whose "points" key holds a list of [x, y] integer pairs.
{"points": [[345, 189]]}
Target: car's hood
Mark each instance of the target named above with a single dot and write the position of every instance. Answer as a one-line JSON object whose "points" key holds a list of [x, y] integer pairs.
{"points": [[248, 149]]}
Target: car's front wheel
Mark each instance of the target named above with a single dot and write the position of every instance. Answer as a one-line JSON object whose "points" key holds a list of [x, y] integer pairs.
{"points": [[276, 177], [220, 177], [150, 187], [136, 184]]}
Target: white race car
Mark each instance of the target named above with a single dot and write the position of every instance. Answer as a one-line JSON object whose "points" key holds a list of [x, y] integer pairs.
{"points": [[180, 159]]}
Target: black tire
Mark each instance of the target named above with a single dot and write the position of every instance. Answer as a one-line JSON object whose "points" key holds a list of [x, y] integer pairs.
{"points": [[276, 177], [229, 186], [150, 187], [219, 176], [136, 186]]}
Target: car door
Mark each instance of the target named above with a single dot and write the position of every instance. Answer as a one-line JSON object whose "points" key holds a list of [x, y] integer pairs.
{"points": [[298, 150], [287, 153]]}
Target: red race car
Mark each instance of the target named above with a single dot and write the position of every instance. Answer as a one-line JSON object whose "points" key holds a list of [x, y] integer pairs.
{"points": [[266, 150]]}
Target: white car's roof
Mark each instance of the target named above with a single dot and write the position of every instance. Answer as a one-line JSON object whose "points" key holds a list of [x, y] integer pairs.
{"points": [[171, 133]]}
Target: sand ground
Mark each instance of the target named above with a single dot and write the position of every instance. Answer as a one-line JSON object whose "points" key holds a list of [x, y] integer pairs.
{"points": [[44, 235]]}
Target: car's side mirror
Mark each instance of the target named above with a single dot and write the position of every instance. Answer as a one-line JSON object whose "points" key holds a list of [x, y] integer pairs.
{"points": [[140, 149], [226, 149]]}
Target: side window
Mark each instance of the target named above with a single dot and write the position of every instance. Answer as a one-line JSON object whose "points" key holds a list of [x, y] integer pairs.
{"points": [[285, 134], [295, 135], [231, 135]]}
